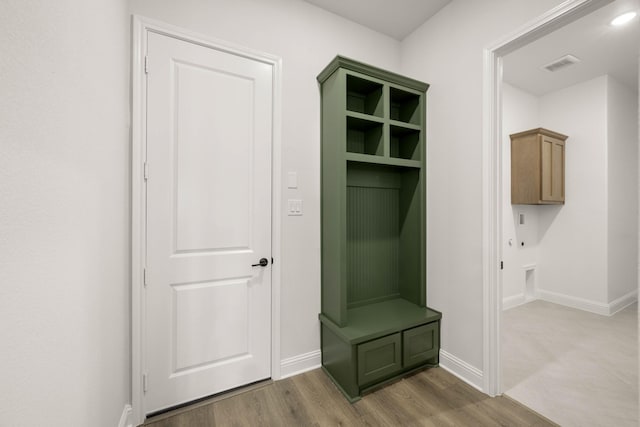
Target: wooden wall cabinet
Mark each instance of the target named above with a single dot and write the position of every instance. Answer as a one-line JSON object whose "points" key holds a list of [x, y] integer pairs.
{"points": [[375, 325], [537, 167]]}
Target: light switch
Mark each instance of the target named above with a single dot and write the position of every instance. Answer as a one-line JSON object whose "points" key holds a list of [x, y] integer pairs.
{"points": [[294, 207], [292, 180]]}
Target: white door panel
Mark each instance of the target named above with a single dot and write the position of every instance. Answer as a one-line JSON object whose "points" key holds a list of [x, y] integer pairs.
{"points": [[209, 116]]}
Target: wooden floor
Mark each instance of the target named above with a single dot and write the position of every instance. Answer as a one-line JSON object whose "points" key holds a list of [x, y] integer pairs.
{"points": [[429, 398]]}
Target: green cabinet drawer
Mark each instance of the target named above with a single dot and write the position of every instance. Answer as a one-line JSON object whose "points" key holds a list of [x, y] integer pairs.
{"points": [[379, 358], [420, 344]]}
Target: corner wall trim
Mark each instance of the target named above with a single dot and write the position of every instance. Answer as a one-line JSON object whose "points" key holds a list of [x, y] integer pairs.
{"points": [[301, 363], [513, 301], [125, 418], [461, 369], [623, 302]]}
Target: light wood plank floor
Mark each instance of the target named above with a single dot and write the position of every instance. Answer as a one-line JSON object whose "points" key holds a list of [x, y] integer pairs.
{"points": [[432, 397]]}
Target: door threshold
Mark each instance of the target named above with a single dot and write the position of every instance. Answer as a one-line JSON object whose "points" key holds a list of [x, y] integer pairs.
{"points": [[203, 401]]}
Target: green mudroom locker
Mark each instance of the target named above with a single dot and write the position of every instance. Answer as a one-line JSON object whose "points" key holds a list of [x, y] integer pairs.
{"points": [[375, 323]]}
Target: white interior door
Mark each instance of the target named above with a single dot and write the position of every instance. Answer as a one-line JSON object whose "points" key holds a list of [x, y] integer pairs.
{"points": [[209, 139]]}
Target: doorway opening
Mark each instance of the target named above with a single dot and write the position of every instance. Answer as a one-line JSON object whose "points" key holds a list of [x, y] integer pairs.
{"points": [[586, 257], [493, 196]]}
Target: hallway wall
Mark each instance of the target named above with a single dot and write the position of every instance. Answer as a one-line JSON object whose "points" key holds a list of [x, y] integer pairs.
{"points": [[307, 39], [64, 212], [447, 52]]}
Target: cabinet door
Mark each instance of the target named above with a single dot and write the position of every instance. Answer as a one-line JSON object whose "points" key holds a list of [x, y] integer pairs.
{"points": [[379, 359], [552, 169], [420, 344]]}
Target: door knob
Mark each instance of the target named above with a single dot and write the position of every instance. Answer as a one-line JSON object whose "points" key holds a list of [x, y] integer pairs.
{"points": [[262, 263]]}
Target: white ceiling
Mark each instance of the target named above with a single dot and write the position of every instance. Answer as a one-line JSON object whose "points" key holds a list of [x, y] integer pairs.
{"points": [[603, 49], [396, 18]]}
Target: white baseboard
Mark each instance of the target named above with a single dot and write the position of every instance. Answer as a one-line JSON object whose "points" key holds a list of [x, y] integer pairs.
{"points": [[301, 363], [461, 369], [513, 301], [622, 302], [587, 305], [125, 418]]}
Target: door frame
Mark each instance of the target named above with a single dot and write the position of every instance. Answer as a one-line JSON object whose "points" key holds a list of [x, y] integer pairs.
{"points": [[141, 27], [556, 18]]}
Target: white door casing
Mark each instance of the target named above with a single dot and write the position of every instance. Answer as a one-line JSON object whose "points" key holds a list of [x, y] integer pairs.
{"points": [[207, 321]]}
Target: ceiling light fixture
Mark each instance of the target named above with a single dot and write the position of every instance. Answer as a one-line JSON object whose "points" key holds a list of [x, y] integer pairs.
{"points": [[623, 19]]}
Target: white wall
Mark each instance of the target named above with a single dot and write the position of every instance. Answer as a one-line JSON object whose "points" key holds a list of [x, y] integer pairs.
{"points": [[447, 53], [622, 141], [587, 248], [573, 249], [307, 39], [64, 212], [520, 112]]}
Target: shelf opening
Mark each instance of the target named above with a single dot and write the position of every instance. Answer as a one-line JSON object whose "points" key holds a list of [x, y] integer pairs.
{"points": [[383, 234], [364, 96], [405, 143], [364, 136], [405, 106]]}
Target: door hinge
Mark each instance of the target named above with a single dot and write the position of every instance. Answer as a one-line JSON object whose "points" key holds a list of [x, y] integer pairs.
{"points": [[144, 277], [271, 260], [144, 382], [146, 171], [501, 265], [146, 64]]}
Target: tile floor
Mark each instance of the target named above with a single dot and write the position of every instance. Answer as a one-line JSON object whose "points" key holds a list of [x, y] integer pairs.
{"points": [[574, 367]]}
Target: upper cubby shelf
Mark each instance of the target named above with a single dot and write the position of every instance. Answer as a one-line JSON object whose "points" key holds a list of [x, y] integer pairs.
{"points": [[364, 96], [364, 136], [405, 106], [377, 116]]}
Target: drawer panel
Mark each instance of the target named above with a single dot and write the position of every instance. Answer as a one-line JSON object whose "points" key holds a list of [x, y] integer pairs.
{"points": [[420, 344], [379, 358]]}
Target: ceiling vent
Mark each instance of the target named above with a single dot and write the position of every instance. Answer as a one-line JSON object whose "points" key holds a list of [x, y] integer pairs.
{"points": [[560, 63]]}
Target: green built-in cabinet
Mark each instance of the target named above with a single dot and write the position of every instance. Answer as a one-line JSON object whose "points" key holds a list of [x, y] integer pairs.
{"points": [[375, 325]]}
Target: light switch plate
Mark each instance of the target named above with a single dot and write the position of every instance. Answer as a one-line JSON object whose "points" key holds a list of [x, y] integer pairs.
{"points": [[294, 207], [292, 180]]}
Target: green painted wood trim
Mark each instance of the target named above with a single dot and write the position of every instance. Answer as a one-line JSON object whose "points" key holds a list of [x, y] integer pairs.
{"points": [[366, 117], [339, 358], [377, 320], [423, 206], [405, 373], [380, 160], [333, 200], [369, 70], [350, 398], [406, 125]]}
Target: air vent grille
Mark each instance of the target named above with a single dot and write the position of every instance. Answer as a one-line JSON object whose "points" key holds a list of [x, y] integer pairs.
{"points": [[560, 63]]}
